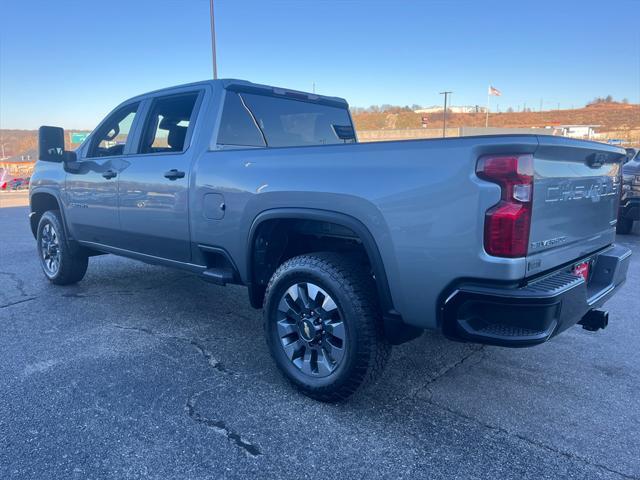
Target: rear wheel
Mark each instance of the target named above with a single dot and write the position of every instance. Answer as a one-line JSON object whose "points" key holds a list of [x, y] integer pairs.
{"points": [[323, 325], [60, 264], [624, 226]]}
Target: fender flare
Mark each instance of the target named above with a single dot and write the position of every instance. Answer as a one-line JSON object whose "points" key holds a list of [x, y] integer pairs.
{"points": [[352, 223], [395, 330], [56, 195]]}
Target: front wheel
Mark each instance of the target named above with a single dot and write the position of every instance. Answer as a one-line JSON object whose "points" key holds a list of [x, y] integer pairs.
{"points": [[59, 263], [323, 325]]}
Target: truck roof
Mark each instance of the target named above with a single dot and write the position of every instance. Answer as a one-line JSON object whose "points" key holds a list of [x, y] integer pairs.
{"points": [[244, 85]]}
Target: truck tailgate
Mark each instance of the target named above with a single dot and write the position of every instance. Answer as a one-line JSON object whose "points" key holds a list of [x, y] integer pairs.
{"points": [[575, 201]]}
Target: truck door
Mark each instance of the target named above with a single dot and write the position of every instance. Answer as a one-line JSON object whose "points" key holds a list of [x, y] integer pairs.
{"points": [[154, 186], [91, 191]]}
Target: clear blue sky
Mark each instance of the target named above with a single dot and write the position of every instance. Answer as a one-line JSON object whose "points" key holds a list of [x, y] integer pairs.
{"points": [[69, 62]]}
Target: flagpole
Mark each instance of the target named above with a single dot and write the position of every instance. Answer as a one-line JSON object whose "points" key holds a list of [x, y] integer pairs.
{"points": [[486, 120]]}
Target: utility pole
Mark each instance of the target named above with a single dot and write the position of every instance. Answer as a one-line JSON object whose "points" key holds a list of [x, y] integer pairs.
{"points": [[540, 105], [213, 41], [444, 118], [3, 156]]}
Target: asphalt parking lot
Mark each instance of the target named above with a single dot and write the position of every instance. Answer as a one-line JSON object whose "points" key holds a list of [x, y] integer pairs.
{"points": [[142, 371]]}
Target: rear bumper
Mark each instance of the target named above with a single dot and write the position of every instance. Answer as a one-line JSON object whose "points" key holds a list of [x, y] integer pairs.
{"points": [[630, 209], [530, 315]]}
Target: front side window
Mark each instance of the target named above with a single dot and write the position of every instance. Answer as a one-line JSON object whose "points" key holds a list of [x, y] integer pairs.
{"points": [[168, 122], [112, 136]]}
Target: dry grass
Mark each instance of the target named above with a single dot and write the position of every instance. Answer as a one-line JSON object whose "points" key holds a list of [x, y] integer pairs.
{"points": [[619, 119]]}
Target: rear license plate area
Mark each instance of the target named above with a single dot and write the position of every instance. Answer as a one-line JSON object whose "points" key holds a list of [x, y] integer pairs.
{"points": [[582, 269]]}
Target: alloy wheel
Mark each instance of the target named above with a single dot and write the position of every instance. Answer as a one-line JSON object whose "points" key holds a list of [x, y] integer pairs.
{"points": [[311, 330], [50, 250]]}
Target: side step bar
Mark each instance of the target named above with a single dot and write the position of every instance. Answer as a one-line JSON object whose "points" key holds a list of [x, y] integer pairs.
{"points": [[219, 276]]}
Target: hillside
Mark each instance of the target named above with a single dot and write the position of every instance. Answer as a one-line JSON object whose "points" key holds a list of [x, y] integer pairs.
{"points": [[610, 116], [618, 120], [19, 142]]}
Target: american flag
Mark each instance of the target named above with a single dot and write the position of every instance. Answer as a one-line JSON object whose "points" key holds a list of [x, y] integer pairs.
{"points": [[494, 91]]}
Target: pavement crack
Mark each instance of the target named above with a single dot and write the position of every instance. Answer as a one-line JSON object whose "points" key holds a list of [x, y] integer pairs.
{"points": [[211, 360], [97, 295], [137, 329], [534, 443], [17, 302], [219, 426], [199, 347], [447, 368], [18, 281], [465, 359], [444, 371]]}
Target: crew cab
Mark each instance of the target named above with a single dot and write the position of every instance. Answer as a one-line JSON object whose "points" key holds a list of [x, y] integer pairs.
{"points": [[347, 247]]}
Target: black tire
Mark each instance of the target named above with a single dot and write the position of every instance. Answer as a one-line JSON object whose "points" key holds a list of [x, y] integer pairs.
{"points": [[60, 263], [353, 302], [624, 226]]}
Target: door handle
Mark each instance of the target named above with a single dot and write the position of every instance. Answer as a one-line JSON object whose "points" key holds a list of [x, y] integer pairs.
{"points": [[109, 174], [174, 174]]}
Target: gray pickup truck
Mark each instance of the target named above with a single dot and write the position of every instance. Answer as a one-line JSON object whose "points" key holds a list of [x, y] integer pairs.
{"points": [[347, 247]]}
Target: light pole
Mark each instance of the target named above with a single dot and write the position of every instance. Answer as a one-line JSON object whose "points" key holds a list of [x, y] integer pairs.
{"points": [[3, 156], [444, 118], [213, 41]]}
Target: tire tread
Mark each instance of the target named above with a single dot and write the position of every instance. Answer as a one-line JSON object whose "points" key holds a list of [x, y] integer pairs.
{"points": [[373, 349], [73, 265]]}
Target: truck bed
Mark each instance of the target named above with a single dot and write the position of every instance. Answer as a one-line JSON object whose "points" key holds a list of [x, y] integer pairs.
{"points": [[420, 199]]}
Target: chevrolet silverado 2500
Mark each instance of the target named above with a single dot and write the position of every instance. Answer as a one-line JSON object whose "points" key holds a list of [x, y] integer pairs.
{"points": [[347, 247]]}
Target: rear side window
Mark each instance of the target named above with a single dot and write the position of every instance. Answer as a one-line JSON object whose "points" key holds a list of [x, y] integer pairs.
{"points": [[260, 120], [287, 122], [167, 124], [237, 127]]}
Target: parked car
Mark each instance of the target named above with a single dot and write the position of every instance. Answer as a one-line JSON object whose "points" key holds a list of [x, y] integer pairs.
{"points": [[348, 248], [18, 184], [629, 211]]}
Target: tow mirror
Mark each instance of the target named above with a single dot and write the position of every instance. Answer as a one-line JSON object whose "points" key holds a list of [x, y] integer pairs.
{"points": [[51, 144]]}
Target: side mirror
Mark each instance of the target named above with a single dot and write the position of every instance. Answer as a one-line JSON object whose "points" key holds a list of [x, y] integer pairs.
{"points": [[51, 144]]}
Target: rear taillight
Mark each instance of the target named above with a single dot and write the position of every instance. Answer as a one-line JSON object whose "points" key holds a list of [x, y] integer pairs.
{"points": [[507, 224]]}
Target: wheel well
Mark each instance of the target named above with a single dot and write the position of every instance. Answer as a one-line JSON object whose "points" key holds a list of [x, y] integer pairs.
{"points": [[41, 203], [277, 240]]}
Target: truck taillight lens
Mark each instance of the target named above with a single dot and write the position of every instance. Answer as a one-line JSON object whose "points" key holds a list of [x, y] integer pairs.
{"points": [[507, 224]]}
